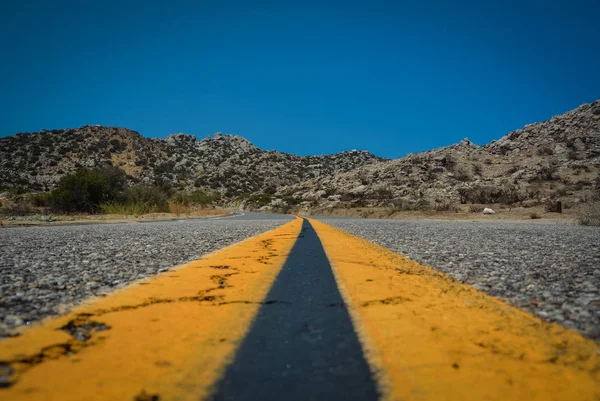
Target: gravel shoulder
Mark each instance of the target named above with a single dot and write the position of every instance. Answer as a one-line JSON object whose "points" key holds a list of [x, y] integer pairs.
{"points": [[550, 270], [46, 270]]}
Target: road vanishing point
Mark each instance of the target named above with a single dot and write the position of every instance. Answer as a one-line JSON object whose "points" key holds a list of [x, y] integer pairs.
{"points": [[302, 312]]}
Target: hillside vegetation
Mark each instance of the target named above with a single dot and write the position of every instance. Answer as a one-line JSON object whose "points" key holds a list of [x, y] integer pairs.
{"points": [[554, 164]]}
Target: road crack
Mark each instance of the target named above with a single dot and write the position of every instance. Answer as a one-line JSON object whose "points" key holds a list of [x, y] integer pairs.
{"points": [[387, 301]]}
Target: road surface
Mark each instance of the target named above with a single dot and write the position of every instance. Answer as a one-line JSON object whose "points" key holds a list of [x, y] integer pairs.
{"points": [[298, 310]]}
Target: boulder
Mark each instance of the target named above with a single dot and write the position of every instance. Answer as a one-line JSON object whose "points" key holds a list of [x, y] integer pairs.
{"points": [[487, 210]]}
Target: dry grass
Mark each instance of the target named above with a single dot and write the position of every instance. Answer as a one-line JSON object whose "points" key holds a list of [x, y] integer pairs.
{"points": [[120, 218], [475, 209], [589, 214]]}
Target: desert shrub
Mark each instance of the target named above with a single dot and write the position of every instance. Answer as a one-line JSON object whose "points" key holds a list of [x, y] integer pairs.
{"points": [[347, 197], [589, 214], [19, 208], [431, 175], [553, 205], [446, 207], [383, 194], [462, 175], [86, 189], [330, 191], [573, 155], [547, 172], [200, 182], [149, 198], [475, 209], [511, 170], [40, 199], [449, 162], [561, 192], [290, 200], [545, 151], [481, 194], [196, 197], [363, 177], [260, 200], [463, 194], [16, 192], [510, 195], [165, 168], [534, 216], [163, 184], [270, 190], [477, 169], [117, 145]]}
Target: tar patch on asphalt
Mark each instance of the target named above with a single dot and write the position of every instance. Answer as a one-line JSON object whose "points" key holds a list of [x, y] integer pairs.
{"points": [[302, 347]]}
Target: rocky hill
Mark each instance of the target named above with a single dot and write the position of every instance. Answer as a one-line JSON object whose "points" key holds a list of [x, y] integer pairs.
{"points": [[227, 164], [540, 163], [555, 159]]}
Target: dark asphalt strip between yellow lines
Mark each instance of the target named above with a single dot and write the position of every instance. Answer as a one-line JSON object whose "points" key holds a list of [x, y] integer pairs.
{"points": [[273, 318]]}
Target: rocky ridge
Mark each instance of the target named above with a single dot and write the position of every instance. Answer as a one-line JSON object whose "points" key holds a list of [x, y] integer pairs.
{"points": [[554, 159], [227, 164], [551, 160]]}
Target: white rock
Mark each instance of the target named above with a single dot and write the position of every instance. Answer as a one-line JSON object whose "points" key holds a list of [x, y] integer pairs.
{"points": [[487, 210]]}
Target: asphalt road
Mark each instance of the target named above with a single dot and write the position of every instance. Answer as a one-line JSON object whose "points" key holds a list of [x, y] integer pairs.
{"points": [[550, 270], [302, 345], [46, 270]]}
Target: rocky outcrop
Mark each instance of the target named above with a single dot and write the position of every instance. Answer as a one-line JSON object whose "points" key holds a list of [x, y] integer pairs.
{"points": [[570, 137]]}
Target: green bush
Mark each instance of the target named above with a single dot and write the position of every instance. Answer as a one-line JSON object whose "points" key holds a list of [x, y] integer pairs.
{"points": [[270, 190], [152, 198], [260, 200], [197, 197], [138, 200], [86, 189], [40, 199]]}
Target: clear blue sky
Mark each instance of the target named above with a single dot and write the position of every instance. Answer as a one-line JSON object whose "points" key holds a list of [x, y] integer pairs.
{"points": [[303, 77]]}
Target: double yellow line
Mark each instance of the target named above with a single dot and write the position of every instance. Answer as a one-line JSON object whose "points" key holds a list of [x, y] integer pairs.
{"points": [[425, 336]]}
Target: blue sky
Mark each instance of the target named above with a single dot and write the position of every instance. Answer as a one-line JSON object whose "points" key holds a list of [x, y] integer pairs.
{"points": [[304, 77]]}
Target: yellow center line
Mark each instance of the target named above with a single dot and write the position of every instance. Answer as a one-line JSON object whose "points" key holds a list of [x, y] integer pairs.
{"points": [[429, 337], [170, 336]]}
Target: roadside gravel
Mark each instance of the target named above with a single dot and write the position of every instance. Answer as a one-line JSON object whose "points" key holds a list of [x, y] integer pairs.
{"points": [[46, 270], [550, 270]]}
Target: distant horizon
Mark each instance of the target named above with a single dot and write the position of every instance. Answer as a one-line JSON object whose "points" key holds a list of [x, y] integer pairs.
{"points": [[302, 78]]}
